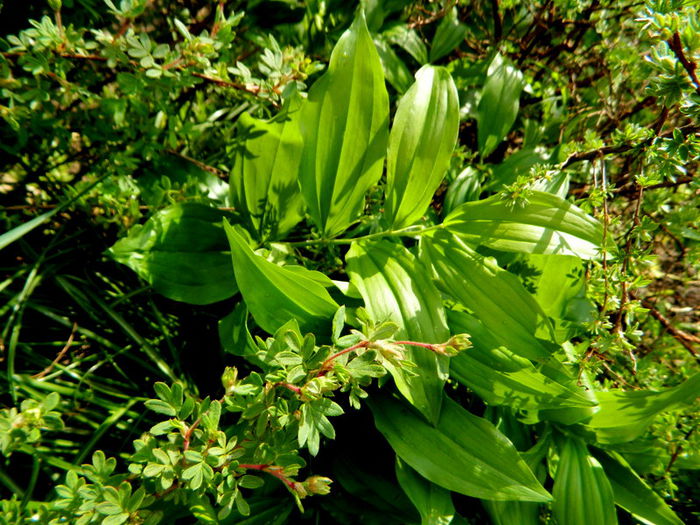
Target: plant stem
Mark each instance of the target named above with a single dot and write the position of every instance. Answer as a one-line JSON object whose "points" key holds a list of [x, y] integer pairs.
{"points": [[409, 231]]}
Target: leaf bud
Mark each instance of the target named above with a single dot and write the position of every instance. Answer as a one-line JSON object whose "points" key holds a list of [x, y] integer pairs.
{"points": [[229, 379], [55, 5], [318, 485]]}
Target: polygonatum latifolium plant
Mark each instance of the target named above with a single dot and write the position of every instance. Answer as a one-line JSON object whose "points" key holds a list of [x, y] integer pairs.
{"points": [[441, 208]]}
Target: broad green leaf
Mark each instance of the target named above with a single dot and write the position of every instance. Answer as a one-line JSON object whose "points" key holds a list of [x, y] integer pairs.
{"points": [[264, 179], [625, 415], [396, 287], [274, 294], [434, 503], [507, 172], [632, 493], [495, 296], [449, 34], [344, 126], [500, 377], [466, 187], [463, 453], [559, 287], [408, 39], [422, 139], [582, 492], [545, 224], [182, 252], [499, 104], [395, 70]]}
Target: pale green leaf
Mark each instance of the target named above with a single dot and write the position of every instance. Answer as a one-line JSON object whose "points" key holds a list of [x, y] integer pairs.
{"points": [[495, 296], [499, 104], [582, 492], [344, 126], [625, 415], [449, 34], [423, 136], [545, 224], [396, 287], [632, 493], [264, 179]]}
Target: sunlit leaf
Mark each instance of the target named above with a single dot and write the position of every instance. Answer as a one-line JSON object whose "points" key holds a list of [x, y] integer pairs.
{"points": [[344, 126], [423, 135], [463, 453]]}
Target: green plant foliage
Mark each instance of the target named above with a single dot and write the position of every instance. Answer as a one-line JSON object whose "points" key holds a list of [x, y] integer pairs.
{"points": [[582, 493], [544, 223], [344, 127], [422, 138], [499, 103], [264, 181], [463, 453], [506, 304], [180, 252]]}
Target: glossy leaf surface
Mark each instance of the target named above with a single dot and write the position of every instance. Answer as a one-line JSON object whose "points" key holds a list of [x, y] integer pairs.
{"points": [[264, 180], [502, 378], [396, 287], [463, 453], [423, 136], [449, 34], [545, 224], [433, 503], [344, 127], [625, 415], [582, 492], [182, 252], [499, 104], [275, 294], [632, 493], [496, 297]]}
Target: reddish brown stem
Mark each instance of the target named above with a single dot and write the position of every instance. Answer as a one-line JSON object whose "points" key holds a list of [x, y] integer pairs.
{"points": [[290, 386], [415, 343], [327, 362]]}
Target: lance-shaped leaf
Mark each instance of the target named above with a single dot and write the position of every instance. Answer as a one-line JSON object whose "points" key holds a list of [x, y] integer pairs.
{"points": [[463, 453], [264, 179], [625, 415], [632, 493], [582, 492], [545, 224], [182, 252], [396, 287], [275, 294], [395, 70], [449, 34], [495, 296], [422, 139], [344, 126], [502, 378], [499, 104], [434, 503]]}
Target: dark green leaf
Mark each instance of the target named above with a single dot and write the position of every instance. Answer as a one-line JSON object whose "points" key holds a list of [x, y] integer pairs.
{"points": [[433, 503], [449, 34], [182, 252]]}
